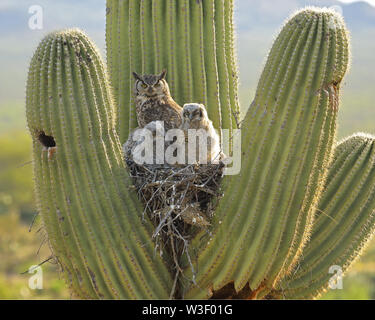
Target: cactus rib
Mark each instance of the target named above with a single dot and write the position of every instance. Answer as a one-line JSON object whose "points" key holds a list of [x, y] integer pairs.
{"points": [[265, 217], [91, 216], [298, 206], [192, 39], [345, 221]]}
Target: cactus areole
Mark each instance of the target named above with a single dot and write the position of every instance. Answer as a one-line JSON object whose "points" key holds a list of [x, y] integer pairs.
{"points": [[267, 223]]}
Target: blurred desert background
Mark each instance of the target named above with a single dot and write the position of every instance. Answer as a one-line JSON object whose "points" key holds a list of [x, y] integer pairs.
{"points": [[258, 22]]}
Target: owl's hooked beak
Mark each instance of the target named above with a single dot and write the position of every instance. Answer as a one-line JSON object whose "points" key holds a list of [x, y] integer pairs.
{"points": [[150, 91]]}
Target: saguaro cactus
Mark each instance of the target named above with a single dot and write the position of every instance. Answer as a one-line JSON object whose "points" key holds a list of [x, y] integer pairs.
{"points": [[265, 219]]}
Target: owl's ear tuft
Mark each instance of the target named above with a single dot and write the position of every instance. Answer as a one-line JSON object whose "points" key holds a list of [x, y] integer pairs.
{"points": [[202, 110], [163, 74], [137, 76]]}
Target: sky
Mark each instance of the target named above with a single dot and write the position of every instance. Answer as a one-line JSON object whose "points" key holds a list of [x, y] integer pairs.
{"points": [[372, 2]]}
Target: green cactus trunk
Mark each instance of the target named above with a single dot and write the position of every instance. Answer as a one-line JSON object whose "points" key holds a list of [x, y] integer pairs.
{"points": [[345, 221], [193, 40], [90, 213], [265, 217]]}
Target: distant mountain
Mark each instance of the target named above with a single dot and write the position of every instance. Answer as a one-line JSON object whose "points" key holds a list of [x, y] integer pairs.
{"points": [[258, 22]]}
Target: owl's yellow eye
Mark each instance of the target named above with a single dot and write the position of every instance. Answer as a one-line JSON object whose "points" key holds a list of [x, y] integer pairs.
{"points": [[144, 86]]}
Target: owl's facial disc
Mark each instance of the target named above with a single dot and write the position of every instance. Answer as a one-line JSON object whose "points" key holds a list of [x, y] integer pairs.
{"points": [[196, 115], [191, 116], [186, 115], [146, 89], [193, 112], [150, 86]]}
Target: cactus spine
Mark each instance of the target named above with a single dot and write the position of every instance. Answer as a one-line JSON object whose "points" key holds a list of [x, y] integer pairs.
{"points": [[193, 40], [345, 220], [91, 216], [265, 217], [264, 220]]}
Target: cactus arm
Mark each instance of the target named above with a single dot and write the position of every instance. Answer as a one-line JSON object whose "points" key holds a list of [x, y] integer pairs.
{"points": [[117, 158], [91, 216], [345, 220], [51, 220], [281, 71], [265, 217], [331, 56]]}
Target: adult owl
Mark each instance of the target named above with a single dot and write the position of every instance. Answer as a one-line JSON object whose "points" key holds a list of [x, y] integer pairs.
{"points": [[207, 148], [154, 102]]}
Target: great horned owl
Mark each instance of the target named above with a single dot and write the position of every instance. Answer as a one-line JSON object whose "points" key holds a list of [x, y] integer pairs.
{"points": [[154, 101], [194, 116]]}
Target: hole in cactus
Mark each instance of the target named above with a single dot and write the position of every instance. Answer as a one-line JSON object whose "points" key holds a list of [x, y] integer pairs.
{"points": [[48, 143], [45, 140]]}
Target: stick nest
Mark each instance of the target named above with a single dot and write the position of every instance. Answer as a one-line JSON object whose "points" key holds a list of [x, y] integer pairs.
{"points": [[179, 201]]}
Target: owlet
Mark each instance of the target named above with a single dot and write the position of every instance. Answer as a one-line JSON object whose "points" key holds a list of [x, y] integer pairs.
{"points": [[194, 116]]}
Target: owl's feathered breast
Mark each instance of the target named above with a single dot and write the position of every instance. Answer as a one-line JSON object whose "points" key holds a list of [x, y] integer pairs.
{"points": [[159, 110]]}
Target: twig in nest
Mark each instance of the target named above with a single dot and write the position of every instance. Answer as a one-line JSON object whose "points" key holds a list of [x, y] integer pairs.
{"points": [[177, 199]]}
